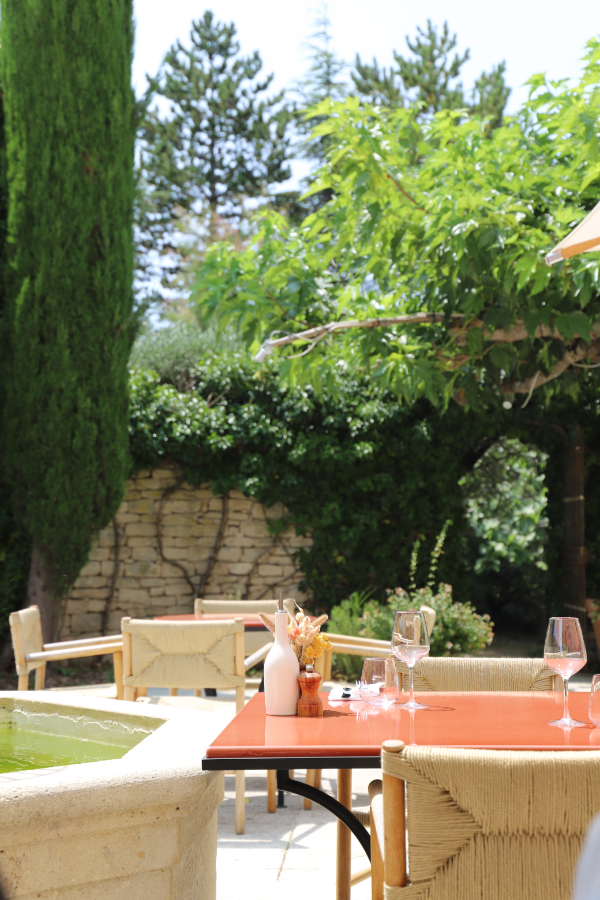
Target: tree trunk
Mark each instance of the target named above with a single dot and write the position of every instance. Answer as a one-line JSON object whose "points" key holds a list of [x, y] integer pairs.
{"points": [[39, 593], [574, 550]]}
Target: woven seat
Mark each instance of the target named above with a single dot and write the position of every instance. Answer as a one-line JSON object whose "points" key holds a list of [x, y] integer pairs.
{"points": [[482, 824]]}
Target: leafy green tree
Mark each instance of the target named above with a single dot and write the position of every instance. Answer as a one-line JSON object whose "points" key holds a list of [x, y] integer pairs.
{"points": [[69, 107], [221, 139], [505, 500], [432, 267], [429, 78]]}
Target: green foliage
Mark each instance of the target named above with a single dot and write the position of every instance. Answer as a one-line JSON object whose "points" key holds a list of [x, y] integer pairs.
{"points": [[505, 503], [458, 628], [15, 557], [439, 218], [346, 618], [69, 113], [365, 476], [175, 350], [222, 139], [429, 79]]}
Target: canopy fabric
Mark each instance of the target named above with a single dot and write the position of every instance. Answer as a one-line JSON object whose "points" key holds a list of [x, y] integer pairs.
{"points": [[585, 237]]}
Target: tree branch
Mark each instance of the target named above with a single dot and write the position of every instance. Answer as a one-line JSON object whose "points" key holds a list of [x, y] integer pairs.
{"points": [[513, 386]]}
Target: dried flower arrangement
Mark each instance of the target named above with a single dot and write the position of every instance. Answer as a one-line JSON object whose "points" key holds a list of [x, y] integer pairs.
{"points": [[305, 636]]}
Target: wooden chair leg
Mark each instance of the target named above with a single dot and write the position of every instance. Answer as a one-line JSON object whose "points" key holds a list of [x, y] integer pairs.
{"points": [[317, 778], [198, 693], [141, 692], [173, 692], [23, 683], [310, 779], [394, 824], [240, 802], [376, 865], [343, 861], [40, 678], [118, 670], [271, 790], [129, 693]]}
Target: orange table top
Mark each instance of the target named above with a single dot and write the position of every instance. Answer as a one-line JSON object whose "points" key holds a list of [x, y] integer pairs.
{"points": [[511, 721], [251, 622]]}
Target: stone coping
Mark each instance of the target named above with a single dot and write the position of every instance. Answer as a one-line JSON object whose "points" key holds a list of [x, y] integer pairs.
{"points": [[165, 765]]}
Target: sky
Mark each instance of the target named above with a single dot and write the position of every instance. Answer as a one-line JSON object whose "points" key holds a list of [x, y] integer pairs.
{"points": [[530, 35]]}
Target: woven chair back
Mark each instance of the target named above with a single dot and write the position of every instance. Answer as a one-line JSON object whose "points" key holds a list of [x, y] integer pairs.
{"points": [[26, 634], [492, 824], [183, 654], [245, 607], [441, 673]]}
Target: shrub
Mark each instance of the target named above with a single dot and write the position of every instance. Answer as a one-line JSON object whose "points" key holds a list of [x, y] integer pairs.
{"points": [[458, 628]]}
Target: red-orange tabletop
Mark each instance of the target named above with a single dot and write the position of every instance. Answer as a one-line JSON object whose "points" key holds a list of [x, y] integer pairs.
{"points": [[350, 734]]}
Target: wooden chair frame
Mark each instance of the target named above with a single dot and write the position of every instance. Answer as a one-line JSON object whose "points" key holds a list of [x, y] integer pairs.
{"points": [[75, 649], [241, 665]]}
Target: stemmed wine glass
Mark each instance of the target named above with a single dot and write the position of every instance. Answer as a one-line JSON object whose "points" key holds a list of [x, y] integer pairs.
{"points": [[410, 643], [564, 653]]}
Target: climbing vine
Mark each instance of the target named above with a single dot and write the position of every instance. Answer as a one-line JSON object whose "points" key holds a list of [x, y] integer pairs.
{"points": [[362, 474]]}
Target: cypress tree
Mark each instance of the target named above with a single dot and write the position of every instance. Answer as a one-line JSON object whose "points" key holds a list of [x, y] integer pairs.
{"points": [[69, 107]]}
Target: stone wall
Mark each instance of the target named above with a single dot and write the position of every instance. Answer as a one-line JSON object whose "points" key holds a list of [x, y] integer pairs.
{"points": [[202, 546]]}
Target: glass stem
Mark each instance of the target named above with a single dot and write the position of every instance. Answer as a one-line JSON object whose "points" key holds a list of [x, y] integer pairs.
{"points": [[566, 707], [412, 686]]}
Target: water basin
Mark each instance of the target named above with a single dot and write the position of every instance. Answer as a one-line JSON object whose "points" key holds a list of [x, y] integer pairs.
{"points": [[23, 749]]}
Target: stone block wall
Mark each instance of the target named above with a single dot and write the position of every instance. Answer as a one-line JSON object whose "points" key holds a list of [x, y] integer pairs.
{"points": [[170, 543]]}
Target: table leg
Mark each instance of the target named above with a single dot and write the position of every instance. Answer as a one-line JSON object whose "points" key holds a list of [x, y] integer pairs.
{"points": [[285, 783], [343, 875]]}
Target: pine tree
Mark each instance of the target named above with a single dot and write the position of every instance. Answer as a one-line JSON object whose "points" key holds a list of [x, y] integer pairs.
{"points": [[223, 139], [430, 78], [66, 67], [322, 81]]}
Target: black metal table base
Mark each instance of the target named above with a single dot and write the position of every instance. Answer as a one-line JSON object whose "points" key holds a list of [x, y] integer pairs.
{"points": [[285, 783]]}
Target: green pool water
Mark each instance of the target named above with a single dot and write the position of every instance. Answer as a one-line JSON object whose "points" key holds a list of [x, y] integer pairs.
{"points": [[24, 749]]}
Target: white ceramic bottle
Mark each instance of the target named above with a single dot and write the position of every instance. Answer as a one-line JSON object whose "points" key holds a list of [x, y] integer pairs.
{"points": [[281, 670]]}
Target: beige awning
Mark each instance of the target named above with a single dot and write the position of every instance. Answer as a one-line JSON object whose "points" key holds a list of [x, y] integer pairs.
{"points": [[586, 236]]}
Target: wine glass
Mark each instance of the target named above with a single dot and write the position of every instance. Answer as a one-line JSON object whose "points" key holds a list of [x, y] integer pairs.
{"points": [[564, 653], [410, 643], [379, 681]]}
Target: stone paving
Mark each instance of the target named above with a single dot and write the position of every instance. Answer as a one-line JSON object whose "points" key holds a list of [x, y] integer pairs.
{"points": [[288, 854]]}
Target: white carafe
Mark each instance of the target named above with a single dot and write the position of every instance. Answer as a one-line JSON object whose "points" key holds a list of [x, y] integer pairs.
{"points": [[281, 670]]}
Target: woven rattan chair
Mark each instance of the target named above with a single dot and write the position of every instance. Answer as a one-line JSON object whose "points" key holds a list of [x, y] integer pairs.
{"points": [[473, 674], [32, 654], [481, 824], [189, 655], [440, 673], [253, 640]]}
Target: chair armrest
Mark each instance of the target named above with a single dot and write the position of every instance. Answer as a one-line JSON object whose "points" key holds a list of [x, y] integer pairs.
{"points": [[84, 642], [355, 639], [257, 656], [361, 649], [375, 789], [74, 652]]}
